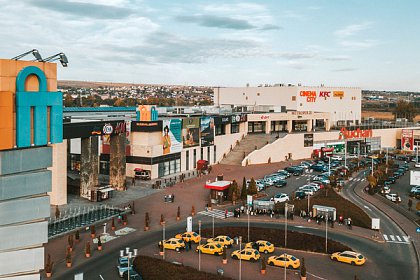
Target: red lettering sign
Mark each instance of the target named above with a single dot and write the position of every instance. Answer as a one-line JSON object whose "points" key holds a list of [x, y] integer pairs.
{"points": [[358, 133], [324, 93]]}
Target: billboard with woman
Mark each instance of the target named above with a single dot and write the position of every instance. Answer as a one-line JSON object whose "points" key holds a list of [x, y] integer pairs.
{"points": [[171, 139], [191, 132]]}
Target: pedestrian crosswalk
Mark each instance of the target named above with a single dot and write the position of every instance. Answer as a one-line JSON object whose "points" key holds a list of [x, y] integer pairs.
{"points": [[219, 214], [357, 179], [390, 238]]}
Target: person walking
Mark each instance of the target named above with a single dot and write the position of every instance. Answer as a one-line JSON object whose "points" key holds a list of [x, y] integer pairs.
{"points": [[226, 213]]}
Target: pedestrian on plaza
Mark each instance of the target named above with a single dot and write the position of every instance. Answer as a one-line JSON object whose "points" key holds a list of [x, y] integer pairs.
{"points": [[340, 220], [173, 198], [226, 213], [133, 181], [189, 244], [242, 209]]}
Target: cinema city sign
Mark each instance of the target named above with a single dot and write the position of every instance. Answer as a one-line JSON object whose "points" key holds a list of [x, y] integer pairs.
{"points": [[358, 133]]}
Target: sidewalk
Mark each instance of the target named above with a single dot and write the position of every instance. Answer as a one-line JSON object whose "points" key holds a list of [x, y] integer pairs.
{"points": [[408, 226], [187, 194]]}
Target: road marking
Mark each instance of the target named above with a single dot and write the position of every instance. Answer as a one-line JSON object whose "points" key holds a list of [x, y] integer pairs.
{"points": [[406, 239], [220, 214], [398, 237], [367, 207], [392, 237], [386, 237], [351, 179], [319, 277]]}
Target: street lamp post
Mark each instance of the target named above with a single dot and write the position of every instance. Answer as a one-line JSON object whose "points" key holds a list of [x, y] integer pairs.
{"points": [[285, 235], [386, 165], [213, 224], [248, 224], [240, 258], [345, 153], [372, 165], [199, 244], [163, 240], [326, 233], [309, 198], [128, 254], [329, 165], [358, 154]]}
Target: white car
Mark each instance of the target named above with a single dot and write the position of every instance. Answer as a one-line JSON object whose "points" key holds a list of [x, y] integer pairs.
{"points": [[280, 197], [386, 190], [307, 190], [415, 188], [393, 197], [336, 157], [417, 164], [315, 185]]}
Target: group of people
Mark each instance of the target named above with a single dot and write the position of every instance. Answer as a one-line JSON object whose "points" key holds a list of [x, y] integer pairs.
{"points": [[169, 198]]}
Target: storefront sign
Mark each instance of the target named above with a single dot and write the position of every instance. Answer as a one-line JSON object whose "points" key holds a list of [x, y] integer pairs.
{"points": [[239, 118], [87, 129], [407, 140], [190, 132], [265, 117], [301, 113], [310, 95], [171, 137], [324, 94], [146, 126], [218, 120], [338, 93], [107, 129], [358, 133], [207, 131], [308, 140]]}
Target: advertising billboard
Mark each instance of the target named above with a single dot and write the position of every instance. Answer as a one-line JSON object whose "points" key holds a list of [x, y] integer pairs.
{"points": [[414, 178], [308, 140], [207, 131], [171, 137], [190, 132], [407, 140]]}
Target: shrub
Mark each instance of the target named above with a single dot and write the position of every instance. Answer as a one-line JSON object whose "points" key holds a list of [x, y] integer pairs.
{"points": [[92, 230], [152, 268], [87, 248], [49, 265], [244, 190], [162, 219], [178, 213], [263, 264], [252, 189], [57, 212], [68, 255], [77, 235], [303, 268]]}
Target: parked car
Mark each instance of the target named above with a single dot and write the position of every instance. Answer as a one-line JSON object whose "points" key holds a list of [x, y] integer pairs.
{"points": [[295, 170], [280, 183], [300, 195], [284, 172], [393, 197], [415, 188], [246, 254], [417, 165], [322, 179], [336, 157], [307, 191], [133, 275], [222, 240], [318, 167], [349, 257], [210, 248], [123, 265], [280, 197], [392, 179], [385, 190], [173, 244], [284, 260], [262, 246], [187, 236]]}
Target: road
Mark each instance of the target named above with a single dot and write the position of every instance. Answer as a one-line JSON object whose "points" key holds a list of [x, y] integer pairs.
{"points": [[383, 262], [404, 258]]}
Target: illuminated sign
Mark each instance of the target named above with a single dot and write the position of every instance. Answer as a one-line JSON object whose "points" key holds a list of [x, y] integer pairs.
{"points": [[39, 102], [108, 129], [358, 133], [338, 93], [310, 95], [301, 112], [324, 94], [265, 117]]}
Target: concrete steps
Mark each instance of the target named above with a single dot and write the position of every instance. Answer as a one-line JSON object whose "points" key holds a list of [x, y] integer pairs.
{"points": [[249, 143]]}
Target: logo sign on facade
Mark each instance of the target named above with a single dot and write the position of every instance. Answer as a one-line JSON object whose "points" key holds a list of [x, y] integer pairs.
{"points": [[324, 94], [338, 93], [407, 140], [357, 133], [39, 102], [309, 94], [265, 117], [239, 118], [107, 129]]}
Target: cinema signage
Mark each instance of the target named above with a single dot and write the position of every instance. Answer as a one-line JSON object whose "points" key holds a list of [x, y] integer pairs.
{"points": [[357, 133], [311, 95]]}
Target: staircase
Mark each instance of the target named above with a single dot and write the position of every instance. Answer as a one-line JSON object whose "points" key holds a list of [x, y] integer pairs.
{"points": [[248, 144]]}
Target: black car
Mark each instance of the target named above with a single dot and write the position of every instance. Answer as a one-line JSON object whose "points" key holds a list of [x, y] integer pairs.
{"points": [[280, 183], [300, 195], [392, 179], [295, 170], [397, 174]]}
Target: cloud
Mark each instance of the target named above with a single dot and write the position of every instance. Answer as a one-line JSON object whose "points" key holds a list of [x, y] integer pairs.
{"points": [[218, 22], [81, 9], [365, 44], [336, 58], [344, 69], [270, 27], [352, 29], [297, 55]]}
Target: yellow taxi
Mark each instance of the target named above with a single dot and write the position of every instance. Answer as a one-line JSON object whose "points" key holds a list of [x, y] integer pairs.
{"points": [[186, 236], [284, 260], [222, 240], [173, 244], [350, 257], [210, 248], [246, 254], [262, 246]]}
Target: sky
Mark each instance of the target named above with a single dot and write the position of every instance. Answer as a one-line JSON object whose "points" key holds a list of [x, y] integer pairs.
{"points": [[371, 44]]}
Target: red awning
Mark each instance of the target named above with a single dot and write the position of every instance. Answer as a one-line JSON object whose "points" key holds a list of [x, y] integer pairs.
{"points": [[138, 169], [218, 185]]}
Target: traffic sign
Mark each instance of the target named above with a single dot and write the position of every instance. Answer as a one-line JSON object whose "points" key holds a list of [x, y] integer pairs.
{"points": [[418, 230]]}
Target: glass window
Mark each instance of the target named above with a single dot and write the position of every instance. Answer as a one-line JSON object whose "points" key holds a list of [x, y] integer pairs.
{"points": [[195, 159], [201, 153], [234, 128], [208, 154], [178, 165], [214, 156], [187, 160]]}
